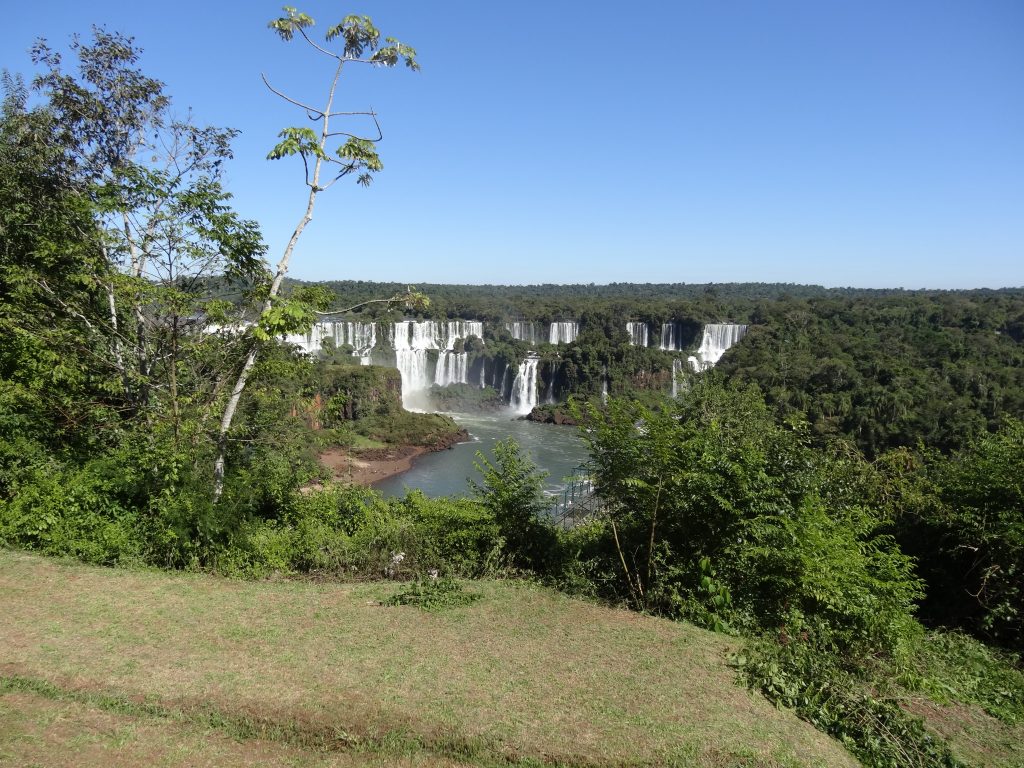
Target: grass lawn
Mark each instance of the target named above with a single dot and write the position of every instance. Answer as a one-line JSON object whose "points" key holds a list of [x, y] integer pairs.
{"points": [[112, 667]]}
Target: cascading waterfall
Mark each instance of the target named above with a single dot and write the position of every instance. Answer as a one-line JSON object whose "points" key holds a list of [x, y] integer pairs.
{"points": [[604, 385], [670, 340], [451, 368], [563, 332], [677, 369], [637, 333], [506, 383], [523, 331], [549, 392], [413, 340], [362, 337], [717, 338], [524, 387]]}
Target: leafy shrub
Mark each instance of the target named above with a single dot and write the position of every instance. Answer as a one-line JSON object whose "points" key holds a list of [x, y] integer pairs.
{"points": [[954, 667], [71, 512], [980, 527], [434, 595], [838, 700], [512, 492], [718, 513]]}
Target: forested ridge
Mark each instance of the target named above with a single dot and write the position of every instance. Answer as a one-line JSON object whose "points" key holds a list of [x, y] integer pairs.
{"points": [[886, 368], [842, 491]]}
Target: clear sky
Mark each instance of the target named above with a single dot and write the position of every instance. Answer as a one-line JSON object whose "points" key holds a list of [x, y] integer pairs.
{"points": [[870, 143]]}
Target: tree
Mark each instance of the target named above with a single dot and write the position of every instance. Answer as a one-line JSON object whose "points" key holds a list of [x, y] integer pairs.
{"points": [[512, 491], [978, 531], [165, 227], [48, 271], [327, 157], [720, 512]]}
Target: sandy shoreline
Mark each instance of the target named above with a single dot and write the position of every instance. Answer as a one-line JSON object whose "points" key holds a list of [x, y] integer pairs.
{"points": [[363, 470]]}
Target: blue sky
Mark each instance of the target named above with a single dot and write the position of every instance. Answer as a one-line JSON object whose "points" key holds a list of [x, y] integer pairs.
{"points": [[867, 144]]}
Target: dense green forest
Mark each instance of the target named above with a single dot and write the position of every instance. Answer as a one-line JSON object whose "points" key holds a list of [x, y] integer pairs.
{"points": [[843, 489], [883, 368]]}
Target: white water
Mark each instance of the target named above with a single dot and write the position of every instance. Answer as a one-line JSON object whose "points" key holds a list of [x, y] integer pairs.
{"points": [[362, 337], [677, 370], [670, 340], [413, 342], [451, 368], [637, 333], [717, 338], [524, 387], [563, 332], [523, 331]]}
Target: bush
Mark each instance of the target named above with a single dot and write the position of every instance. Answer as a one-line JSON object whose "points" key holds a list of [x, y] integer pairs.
{"points": [[74, 513], [433, 594], [512, 492], [718, 513]]}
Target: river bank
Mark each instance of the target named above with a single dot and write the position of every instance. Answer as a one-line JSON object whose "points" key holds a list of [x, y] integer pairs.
{"points": [[372, 465], [361, 469]]}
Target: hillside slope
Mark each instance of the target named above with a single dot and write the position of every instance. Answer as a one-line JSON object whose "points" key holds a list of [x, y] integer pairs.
{"points": [[109, 667]]}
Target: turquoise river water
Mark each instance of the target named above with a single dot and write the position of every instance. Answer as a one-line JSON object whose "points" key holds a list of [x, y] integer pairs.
{"points": [[554, 449]]}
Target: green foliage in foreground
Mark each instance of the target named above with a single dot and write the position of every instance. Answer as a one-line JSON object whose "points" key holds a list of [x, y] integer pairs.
{"points": [[433, 594], [719, 513], [843, 703]]}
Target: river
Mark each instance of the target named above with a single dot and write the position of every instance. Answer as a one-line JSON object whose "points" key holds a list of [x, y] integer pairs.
{"points": [[555, 449]]}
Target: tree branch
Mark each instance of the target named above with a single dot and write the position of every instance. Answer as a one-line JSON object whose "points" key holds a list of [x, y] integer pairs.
{"points": [[313, 112]]}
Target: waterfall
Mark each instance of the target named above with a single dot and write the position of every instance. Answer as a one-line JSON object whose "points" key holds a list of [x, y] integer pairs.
{"points": [[483, 369], [413, 340], [362, 337], [677, 370], [604, 383], [717, 338], [524, 387], [452, 368], [523, 331], [669, 337], [637, 333], [549, 392], [563, 332]]}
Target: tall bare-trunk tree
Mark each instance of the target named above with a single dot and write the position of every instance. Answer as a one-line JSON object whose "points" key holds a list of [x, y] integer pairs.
{"points": [[327, 157]]}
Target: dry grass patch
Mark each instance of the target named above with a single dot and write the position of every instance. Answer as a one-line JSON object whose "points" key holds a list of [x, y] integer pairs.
{"points": [[523, 673], [39, 731], [975, 737]]}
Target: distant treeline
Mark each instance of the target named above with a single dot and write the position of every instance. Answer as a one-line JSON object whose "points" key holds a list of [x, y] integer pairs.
{"points": [[886, 368], [658, 301]]}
